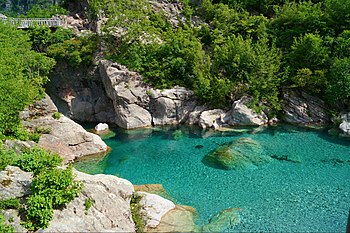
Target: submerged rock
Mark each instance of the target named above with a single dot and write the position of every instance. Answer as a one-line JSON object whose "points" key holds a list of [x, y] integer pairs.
{"points": [[179, 219], [223, 221], [154, 189], [241, 153]]}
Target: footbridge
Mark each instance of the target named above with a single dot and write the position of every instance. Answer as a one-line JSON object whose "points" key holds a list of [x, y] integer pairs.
{"points": [[26, 23]]}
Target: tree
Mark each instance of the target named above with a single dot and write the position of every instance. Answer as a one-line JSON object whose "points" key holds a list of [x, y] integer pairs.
{"points": [[22, 75]]}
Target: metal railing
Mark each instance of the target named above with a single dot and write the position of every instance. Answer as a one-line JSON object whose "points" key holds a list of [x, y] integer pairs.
{"points": [[26, 23]]}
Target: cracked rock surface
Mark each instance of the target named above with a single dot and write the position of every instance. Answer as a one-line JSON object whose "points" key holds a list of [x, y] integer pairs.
{"points": [[64, 136], [137, 104]]}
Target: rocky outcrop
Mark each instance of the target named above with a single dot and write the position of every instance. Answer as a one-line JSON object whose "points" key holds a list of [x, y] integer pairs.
{"points": [[79, 94], [345, 123], [14, 183], [154, 207], [243, 115], [110, 211], [138, 105], [238, 154], [64, 136], [301, 108], [212, 118]]}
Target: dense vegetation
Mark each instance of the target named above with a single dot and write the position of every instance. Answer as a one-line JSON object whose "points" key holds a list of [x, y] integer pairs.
{"points": [[23, 72], [52, 187], [32, 8], [238, 47]]}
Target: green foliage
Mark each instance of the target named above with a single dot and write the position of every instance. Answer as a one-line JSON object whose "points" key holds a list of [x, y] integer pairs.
{"points": [[4, 228], [88, 204], [38, 11], [309, 59], [135, 208], [293, 20], [74, 51], [56, 115], [22, 74], [12, 203], [58, 184], [50, 189], [339, 81], [38, 160], [39, 212], [6, 158], [42, 37], [254, 64]]}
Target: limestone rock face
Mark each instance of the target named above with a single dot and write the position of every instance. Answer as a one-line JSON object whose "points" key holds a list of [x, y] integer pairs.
{"points": [[136, 104], [238, 154], [154, 207], [212, 118], [79, 94], [14, 183], [345, 125], [242, 115], [64, 136], [110, 211], [301, 108], [172, 106]]}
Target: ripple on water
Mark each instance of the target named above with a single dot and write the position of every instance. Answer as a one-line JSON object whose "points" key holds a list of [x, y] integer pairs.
{"points": [[311, 194]]}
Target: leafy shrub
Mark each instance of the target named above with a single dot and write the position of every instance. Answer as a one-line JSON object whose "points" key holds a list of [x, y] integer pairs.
{"points": [[56, 115], [39, 212], [12, 203], [338, 88], [46, 11], [22, 75], [6, 158], [3, 227], [75, 51], [57, 184], [88, 204], [38, 160]]}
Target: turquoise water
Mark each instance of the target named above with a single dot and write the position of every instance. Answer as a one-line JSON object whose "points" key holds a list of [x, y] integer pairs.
{"points": [[284, 196]]}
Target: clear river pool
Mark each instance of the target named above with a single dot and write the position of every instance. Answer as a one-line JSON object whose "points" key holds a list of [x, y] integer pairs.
{"points": [[308, 193]]}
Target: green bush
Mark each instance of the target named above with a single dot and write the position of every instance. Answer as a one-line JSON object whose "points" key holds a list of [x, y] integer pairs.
{"points": [[12, 203], [37, 160], [56, 115], [57, 184], [39, 212], [22, 75], [3, 227], [338, 89], [6, 158], [88, 204]]}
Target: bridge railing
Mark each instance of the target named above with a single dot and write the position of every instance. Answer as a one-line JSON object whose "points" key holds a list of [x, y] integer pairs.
{"points": [[26, 22]]}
